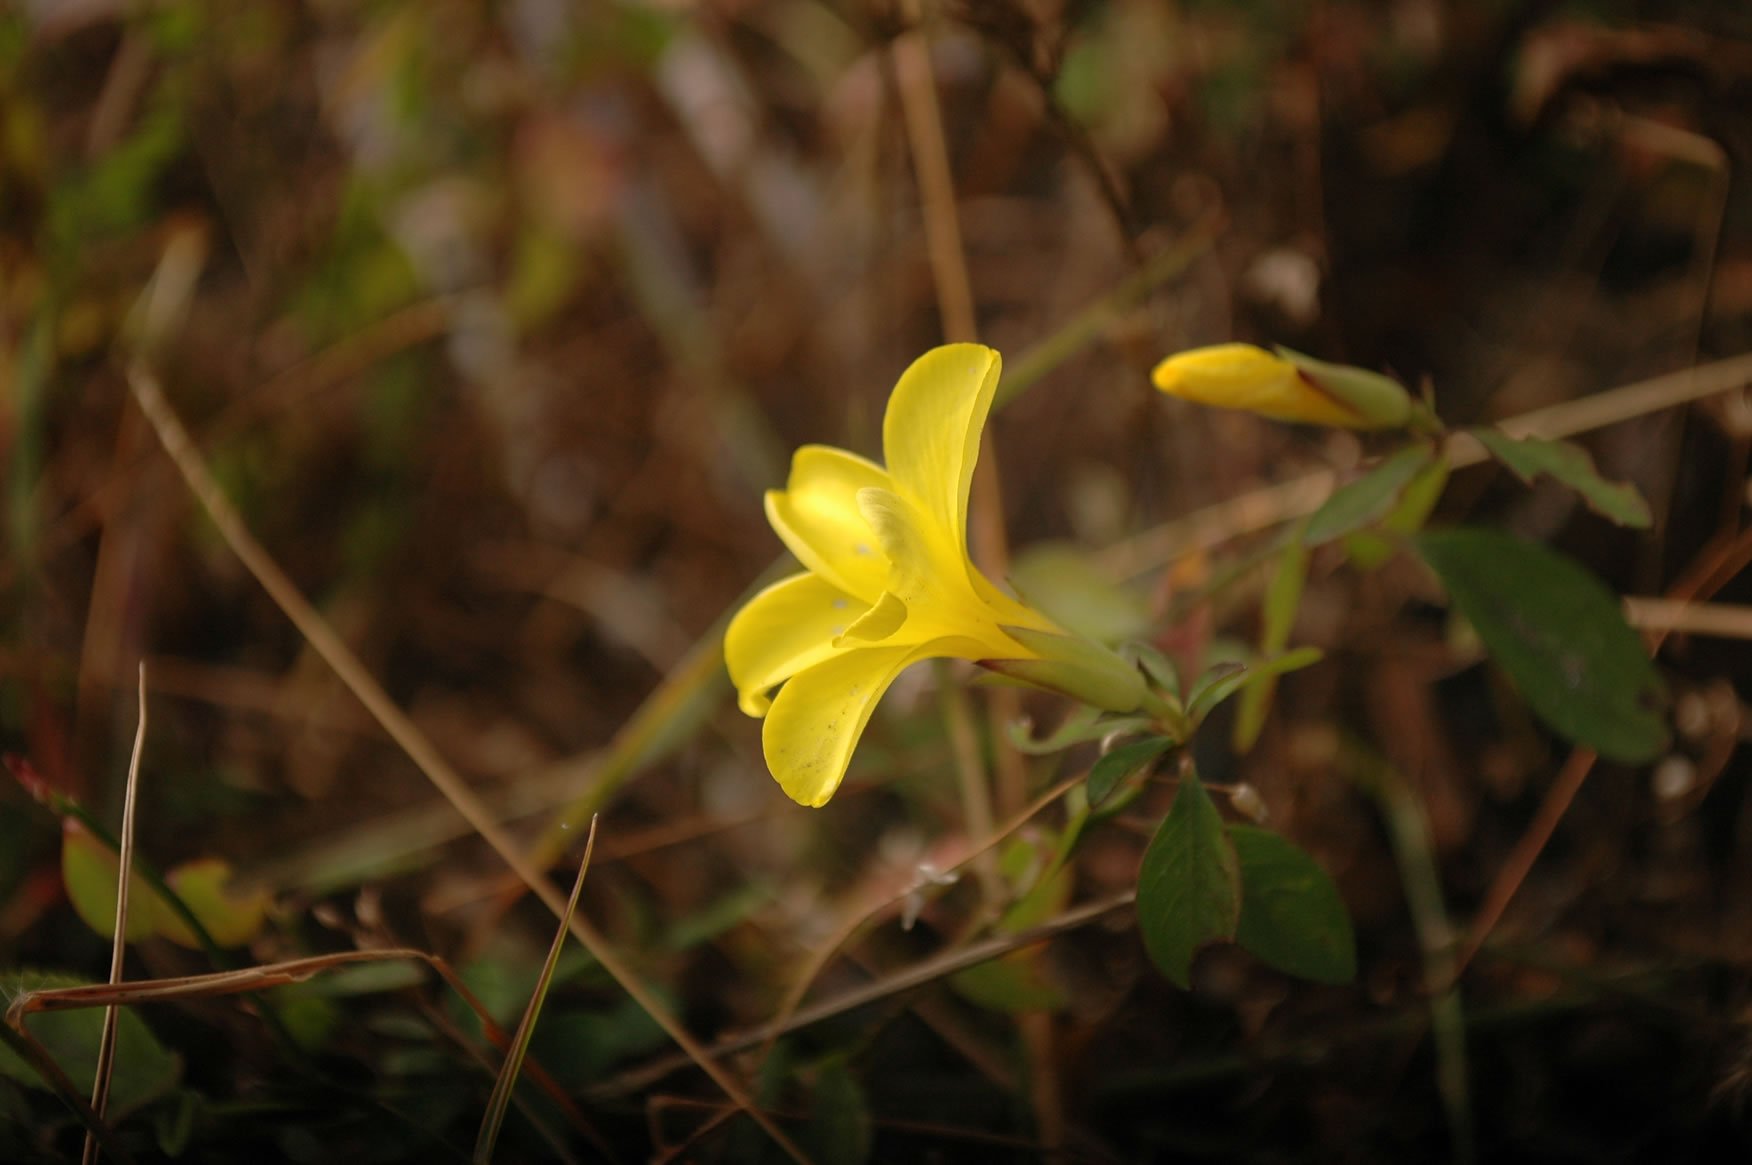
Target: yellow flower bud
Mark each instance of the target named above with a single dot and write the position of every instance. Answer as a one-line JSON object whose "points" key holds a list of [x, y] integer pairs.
{"points": [[1286, 386]]}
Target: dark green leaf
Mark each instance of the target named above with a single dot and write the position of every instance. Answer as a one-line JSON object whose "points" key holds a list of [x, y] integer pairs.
{"points": [[1560, 635], [174, 1122], [1529, 457], [839, 1129], [144, 1069], [1371, 496], [715, 918], [1226, 679], [1189, 890], [1291, 915], [576, 1047], [1121, 763]]}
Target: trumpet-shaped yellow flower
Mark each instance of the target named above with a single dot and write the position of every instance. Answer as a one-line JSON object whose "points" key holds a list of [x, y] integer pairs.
{"points": [[1286, 386], [887, 582]]}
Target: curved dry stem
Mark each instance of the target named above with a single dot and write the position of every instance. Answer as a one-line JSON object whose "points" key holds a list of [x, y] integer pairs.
{"points": [[824, 954], [419, 748], [899, 982]]}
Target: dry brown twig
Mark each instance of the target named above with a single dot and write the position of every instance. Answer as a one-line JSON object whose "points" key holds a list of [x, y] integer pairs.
{"points": [[824, 953], [907, 978]]}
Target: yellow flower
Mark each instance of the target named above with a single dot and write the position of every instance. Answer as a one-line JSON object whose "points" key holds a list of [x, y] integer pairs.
{"points": [[1286, 386], [888, 583]]}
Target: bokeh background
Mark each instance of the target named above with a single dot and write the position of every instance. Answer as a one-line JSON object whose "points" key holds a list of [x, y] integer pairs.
{"points": [[500, 317]]}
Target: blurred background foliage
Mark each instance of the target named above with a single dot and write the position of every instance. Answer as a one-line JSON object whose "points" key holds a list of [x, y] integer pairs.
{"points": [[510, 311]]}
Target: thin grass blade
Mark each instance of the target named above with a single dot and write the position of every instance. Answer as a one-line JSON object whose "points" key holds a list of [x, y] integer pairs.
{"points": [[106, 1048], [500, 1100]]}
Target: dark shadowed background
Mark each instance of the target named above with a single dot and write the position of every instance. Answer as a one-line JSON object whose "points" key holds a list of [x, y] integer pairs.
{"points": [[500, 317]]}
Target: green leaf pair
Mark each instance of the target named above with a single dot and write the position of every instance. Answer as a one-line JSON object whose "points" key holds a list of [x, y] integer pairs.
{"points": [[1203, 882], [91, 872]]}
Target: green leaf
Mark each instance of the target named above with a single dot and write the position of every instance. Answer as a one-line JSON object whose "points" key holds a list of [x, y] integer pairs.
{"points": [[1569, 463], [1292, 917], [1036, 868], [1370, 497], [1015, 982], [91, 871], [580, 1046], [1283, 598], [174, 1123], [715, 918], [1560, 635], [231, 918], [1225, 679], [144, 1069], [1060, 579], [1121, 763], [1159, 668], [840, 1130], [1189, 890], [1369, 549], [1084, 724]]}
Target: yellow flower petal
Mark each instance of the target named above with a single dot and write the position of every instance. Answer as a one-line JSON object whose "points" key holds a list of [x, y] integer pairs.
{"points": [[1007, 611], [788, 627], [820, 713], [877, 624], [921, 560], [930, 434], [1240, 376], [817, 517]]}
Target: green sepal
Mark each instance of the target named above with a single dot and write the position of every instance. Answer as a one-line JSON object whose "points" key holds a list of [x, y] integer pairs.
{"points": [[1077, 667], [1379, 400]]}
